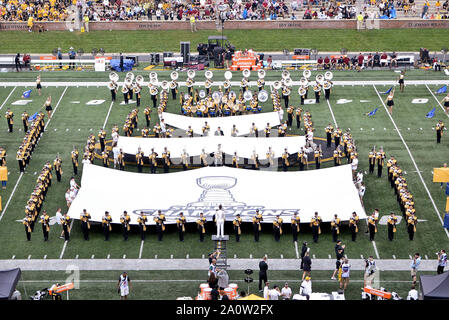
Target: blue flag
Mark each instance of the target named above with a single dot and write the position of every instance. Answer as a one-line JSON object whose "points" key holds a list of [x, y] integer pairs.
{"points": [[447, 189], [387, 92], [443, 89], [431, 113], [372, 113], [32, 117], [27, 93]]}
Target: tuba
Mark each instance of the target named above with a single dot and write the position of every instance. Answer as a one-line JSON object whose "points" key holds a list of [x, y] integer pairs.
{"points": [[301, 91], [246, 73], [319, 79], [262, 96], [288, 82], [328, 75], [113, 76], [174, 75], [228, 75], [261, 73], [130, 75], [277, 85], [247, 95], [165, 85], [307, 73], [139, 80], [208, 84], [208, 74], [202, 94], [317, 87], [191, 74], [128, 81], [153, 75], [172, 84], [303, 82]]}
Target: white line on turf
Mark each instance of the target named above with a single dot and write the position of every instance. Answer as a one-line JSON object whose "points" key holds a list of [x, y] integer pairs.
{"points": [[107, 116], [436, 100], [332, 112], [6, 100], [10, 197], [56, 108], [65, 242], [296, 250], [375, 249], [414, 162], [141, 248], [197, 280]]}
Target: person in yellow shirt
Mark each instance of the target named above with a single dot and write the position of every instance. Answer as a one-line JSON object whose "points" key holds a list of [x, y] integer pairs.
{"points": [[30, 24], [86, 23], [3, 176], [193, 24]]}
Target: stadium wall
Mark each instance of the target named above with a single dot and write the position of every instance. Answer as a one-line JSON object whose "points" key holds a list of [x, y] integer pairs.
{"points": [[211, 25]]}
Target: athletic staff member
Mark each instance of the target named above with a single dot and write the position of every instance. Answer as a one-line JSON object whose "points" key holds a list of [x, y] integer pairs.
{"points": [[263, 267]]}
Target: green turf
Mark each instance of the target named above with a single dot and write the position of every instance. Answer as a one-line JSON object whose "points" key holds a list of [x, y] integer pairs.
{"points": [[80, 119], [260, 40], [168, 285]]}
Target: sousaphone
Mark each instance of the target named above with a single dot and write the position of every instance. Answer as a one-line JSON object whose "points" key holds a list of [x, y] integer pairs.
{"points": [[285, 74], [301, 91], [174, 75], [277, 85], [165, 85], [202, 94], [208, 74], [328, 75], [191, 74], [262, 96], [247, 95], [113, 76], [130, 75], [261, 73], [228, 75], [153, 75], [319, 79], [307, 73], [246, 73], [139, 80]]}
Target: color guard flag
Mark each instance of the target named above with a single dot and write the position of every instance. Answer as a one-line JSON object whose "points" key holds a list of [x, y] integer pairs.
{"points": [[387, 92], [447, 189], [443, 89], [32, 117], [26, 94], [372, 113], [431, 113]]}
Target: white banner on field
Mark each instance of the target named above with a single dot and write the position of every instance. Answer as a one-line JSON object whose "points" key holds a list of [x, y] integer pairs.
{"points": [[328, 191], [244, 146], [243, 123]]}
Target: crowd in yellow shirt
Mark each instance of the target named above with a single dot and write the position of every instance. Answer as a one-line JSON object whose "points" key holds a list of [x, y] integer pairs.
{"points": [[23, 11]]}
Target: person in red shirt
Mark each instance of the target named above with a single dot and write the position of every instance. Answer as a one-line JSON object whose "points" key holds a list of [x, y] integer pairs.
{"points": [[370, 60], [320, 63], [26, 60], [383, 59], [327, 63], [360, 60], [333, 63], [346, 62]]}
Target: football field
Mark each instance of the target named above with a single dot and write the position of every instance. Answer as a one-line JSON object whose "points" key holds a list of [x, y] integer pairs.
{"points": [[408, 135]]}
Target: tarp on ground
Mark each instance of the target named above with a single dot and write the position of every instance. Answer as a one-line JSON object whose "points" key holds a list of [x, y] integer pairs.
{"points": [[327, 191], [244, 146], [242, 123], [127, 65], [435, 287], [8, 282]]}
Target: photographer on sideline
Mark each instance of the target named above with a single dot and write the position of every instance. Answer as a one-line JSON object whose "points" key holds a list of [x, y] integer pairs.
{"points": [[370, 270]]}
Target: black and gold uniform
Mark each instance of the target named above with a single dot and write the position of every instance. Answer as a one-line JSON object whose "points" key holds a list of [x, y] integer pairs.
{"points": [[74, 155], [290, 111], [439, 127], [139, 160], [153, 162], [237, 227], [125, 220], [10, 120], [277, 228], [201, 225], [295, 226], [102, 137], [58, 168], [105, 159], [372, 226], [166, 160], [391, 222], [25, 117], [337, 136], [85, 223], [317, 155], [353, 225], [65, 222], [257, 225], [121, 160], [302, 159], [180, 223], [412, 220], [335, 227], [329, 131], [106, 225], [372, 160], [160, 225], [147, 113], [285, 162], [27, 223], [380, 159], [142, 221], [315, 224], [298, 112], [45, 220]]}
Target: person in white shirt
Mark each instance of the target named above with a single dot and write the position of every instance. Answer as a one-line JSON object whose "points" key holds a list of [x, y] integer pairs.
{"points": [[212, 268], [286, 292], [73, 193], [359, 179], [354, 164], [412, 294], [115, 152], [68, 198], [163, 127], [58, 220], [266, 291], [281, 114], [86, 160], [345, 271], [73, 184], [362, 192], [124, 283], [114, 137], [306, 288], [220, 220], [274, 293]]}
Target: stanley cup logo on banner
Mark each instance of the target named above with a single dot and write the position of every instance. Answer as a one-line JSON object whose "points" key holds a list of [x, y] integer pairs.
{"points": [[216, 192]]}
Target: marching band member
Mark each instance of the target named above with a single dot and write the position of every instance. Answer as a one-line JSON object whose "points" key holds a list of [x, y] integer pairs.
{"points": [[353, 225], [335, 227], [105, 159], [206, 129], [254, 131], [185, 160], [45, 220], [337, 136], [391, 222], [142, 220], [270, 157], [412, 220], [27, 223], [302, 159], [298, 112], [153, 162], [290, 110], [372, 160], [106, 225], [315, 224], [124, 221], [329, 132], [327, 89], [189, 132], [285, 162], [317, 90], [174, 89], [389, 101], [25, 117], [261, 83], [101, 137], [121, 160], [218, 157], [38, 84], [285, 95], [380, 159], [237, 223], [9, 118], [295, 226], [139, 160], [201, 224], [372, 226], [85, 224], [125, 92], [74, 155], [255, 159], [277, 228], [112, 85], [235, 160], [318, 155], [203, 158], [439, 129], [160, 224], [180, 223], [157, 130], [234, 131], [445, 102], [58, 169], [137, 89], [267, 130], [147, 112], [166, 157], [401, 81], [65, 226], [257, 225]]}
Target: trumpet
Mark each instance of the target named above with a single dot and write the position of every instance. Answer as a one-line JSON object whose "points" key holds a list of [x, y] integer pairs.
{"points": [[174, 76], [307, 73], [113, 76]]}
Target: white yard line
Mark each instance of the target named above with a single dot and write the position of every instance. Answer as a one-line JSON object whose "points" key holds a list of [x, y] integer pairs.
{"points": [[107, 116], [296, 250], [141, 249], [54, 111], [442, 108], [414, 162], [65, 242], [7, 98], [10, 197], [375, 249], [332, 112], [193, 280]]}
